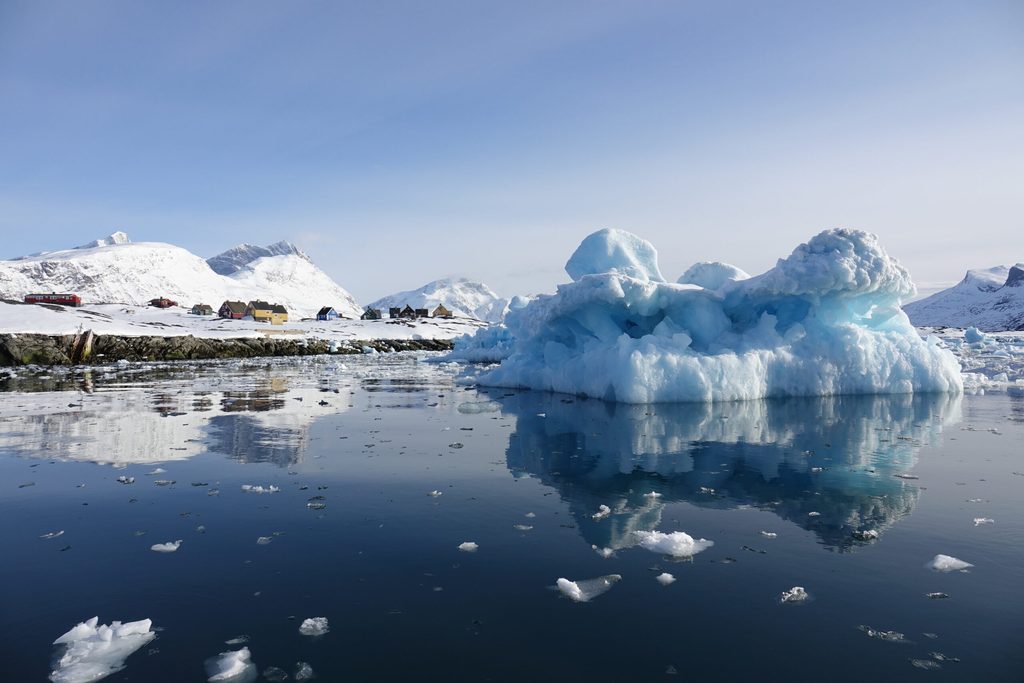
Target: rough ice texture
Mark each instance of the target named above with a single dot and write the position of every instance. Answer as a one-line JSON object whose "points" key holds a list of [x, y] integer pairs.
{"points": [[676, 544], [584, 591], [824, 321], [794, 594], [946, 563], [314, 626], [93, 651], [234, 666]]}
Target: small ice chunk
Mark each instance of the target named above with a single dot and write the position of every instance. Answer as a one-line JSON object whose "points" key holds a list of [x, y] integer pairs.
{"points": [[275, 674], [603, 552], [93, 651], [665, 578], [652, 494], [303, 671], [125, 480], [793, 595], [769, 534], [926, 664], [523, 527], [168, 547], [946, 563], [866, 535], [238, 640], [231, 666], [936, 596], [978, 521], [602, 512], [52, 534], [676, 544], [468, 547], [253, 488], [583, 591], [158, 470], [814, 514], [264, 540], [476, 407], [435, 493], [314, 626], [890, 636]]}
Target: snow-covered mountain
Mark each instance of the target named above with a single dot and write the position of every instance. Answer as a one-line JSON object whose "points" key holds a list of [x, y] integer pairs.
{"points": [[465, 298], [236, 258], [116, 270], [991, 299]]}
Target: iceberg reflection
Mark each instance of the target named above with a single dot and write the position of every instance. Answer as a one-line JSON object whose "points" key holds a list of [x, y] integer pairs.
{"points": [[840, 457]]}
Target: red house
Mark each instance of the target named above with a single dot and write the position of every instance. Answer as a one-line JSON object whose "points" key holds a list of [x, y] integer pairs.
{"points": [[53, 298], [162, 302]]}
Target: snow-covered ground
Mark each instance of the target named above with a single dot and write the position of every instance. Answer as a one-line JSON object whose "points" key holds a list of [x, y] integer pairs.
{"points": [[991, 299], [130, 320], [116, 270], [462, 297]]}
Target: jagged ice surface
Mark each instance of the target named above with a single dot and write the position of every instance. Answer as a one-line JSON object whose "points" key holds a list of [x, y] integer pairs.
{"points": [[93, 651], [826, 320]]}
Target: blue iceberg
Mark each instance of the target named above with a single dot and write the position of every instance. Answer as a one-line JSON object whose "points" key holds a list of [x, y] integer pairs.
{"points": [[824, 321]]}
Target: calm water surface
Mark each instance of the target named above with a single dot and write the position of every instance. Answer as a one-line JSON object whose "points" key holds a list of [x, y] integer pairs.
{"points": [[522, 474]]}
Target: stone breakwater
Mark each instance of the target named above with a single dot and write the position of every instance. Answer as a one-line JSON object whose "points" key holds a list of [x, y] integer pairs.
{"points": [[44, 349]]}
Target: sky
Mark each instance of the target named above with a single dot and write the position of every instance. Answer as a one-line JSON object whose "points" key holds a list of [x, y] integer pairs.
{"points": [[400, 142]]}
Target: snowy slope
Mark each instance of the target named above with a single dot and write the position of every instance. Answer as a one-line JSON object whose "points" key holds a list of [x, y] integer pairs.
{"points": [[464, 298], [991, 300], [119, 271], [236, 258]]}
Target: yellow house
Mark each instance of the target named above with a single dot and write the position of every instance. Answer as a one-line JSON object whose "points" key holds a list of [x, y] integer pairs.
{"points": [[261, 311]]}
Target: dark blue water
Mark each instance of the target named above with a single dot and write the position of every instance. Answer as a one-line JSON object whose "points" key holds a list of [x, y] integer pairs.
{"points": [[381, 560]]}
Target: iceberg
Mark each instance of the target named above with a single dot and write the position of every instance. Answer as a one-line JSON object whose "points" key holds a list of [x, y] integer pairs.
{"points": [[93, 651], [826, 320], [677, 544], [235, 666], [947, 563], [584, 591]]}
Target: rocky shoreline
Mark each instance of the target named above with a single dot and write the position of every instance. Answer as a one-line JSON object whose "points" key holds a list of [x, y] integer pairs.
{"points": [[90, 349]]}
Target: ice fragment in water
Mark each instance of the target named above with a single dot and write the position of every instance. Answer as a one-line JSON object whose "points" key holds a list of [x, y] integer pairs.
{"points": [[582, 591], [163, 482], [158, 470], [435, 493], [239, 640], [978, 521], [168, 547], [936, 596], [676, 544], [814, 514], [665, 578], [926, 664], [264, 540], [126, 480], [890, 636], [946, 563], [93, 652], [274, 674], [602, 512], [866, 535], [794, 594], [475, 407], [52, 534], [303, 671], [652, 494], [252, 488], [769, 534], [523, 527], [314, 626], [603, 552], [468, 547], [235, 666]]}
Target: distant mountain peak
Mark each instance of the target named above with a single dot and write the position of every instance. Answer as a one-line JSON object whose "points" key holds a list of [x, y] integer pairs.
{"points": [[462, 296], [117, 237], [991, 299], [238, 257]]}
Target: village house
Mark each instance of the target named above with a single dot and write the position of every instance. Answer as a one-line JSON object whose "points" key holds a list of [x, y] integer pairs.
{"points": [[442, 312], [327, 313], [371, 314], [234, 310], [407, 312], [421, 313], [54, 298], [162, 302], [261, 311], [202, 309], [394, 312]]}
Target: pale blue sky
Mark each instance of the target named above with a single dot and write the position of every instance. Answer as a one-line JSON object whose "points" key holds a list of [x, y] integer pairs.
{"points": [[399, 142]]}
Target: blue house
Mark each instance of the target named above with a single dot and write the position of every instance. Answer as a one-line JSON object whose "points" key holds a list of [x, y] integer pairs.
{"points": [[327, 313]]}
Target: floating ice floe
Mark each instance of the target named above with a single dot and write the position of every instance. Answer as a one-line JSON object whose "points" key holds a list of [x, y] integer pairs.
{"points": [[866, 535], [125, 480], [234, 666], [468, 547], [168, 547], [93, 651], [435, 493], [475, 407], [522, 527], [652, 494], [158, 470], [602, 512], [769, 534], [889, 636], [303, 671], [978, 521], [665, 578], [264, 540], [676, 544], [52, 534], [583, 591], [314, 626], [254, 488], [793, 595], [826, 320], [946, 563]]}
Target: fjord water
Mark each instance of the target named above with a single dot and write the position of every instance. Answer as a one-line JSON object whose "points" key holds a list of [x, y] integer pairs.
{"points": [[356, 448]]}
